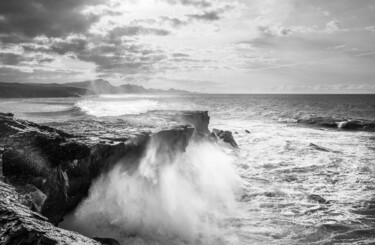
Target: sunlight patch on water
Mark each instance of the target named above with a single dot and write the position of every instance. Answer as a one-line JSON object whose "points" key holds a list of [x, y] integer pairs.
{"points": [[114, 108]]}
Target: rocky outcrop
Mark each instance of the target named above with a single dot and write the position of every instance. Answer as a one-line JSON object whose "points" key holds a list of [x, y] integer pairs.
{"points": [[52, 168], [225, 136], [62, 165], [340, 123], [317, 198], [20, 225], [198, 119]]}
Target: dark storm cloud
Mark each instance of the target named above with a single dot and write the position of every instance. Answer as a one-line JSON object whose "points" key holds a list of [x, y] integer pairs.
{"points": [[52, 18], [114, 52], [58, 46], [11, 59], [9, 74], [73, 46], [124, 59]]}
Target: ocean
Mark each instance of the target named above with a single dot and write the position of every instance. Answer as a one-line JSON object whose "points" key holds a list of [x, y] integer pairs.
{"points": [[292, 181]]}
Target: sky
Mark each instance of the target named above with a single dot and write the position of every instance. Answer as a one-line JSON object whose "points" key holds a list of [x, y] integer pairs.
{"points": [[213, 46]]}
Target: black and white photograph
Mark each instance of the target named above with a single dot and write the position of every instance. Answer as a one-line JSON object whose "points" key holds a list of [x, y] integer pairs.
{"points": [[187, 122]]}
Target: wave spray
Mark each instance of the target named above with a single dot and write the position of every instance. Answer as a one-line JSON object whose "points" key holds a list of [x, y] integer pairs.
{"points": [[184, 199]]}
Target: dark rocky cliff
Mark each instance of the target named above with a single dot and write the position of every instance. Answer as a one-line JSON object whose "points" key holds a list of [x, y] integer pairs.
{"points": [[48, 170]]}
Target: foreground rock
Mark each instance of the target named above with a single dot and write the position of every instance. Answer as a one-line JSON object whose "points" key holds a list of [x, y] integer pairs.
{"points": [[52, 168], [20, 225]]}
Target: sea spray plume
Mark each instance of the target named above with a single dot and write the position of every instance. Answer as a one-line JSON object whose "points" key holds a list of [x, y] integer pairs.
{"points": [[183, 197]]}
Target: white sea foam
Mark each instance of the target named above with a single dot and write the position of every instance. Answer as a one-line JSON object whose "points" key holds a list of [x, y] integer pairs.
{"points": [[102, 108]]}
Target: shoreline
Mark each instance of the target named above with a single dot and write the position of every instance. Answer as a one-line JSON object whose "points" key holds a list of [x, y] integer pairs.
{"points": [[49, 171]]}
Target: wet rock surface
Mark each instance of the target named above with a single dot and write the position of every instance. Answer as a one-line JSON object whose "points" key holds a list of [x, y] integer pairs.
{"points": [[20, 225], [225, 136], [317, 198], [52, 166], [340, 123]]}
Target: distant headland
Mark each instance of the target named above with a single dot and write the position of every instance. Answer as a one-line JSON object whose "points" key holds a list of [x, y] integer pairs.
{"points": [[74, 89]]}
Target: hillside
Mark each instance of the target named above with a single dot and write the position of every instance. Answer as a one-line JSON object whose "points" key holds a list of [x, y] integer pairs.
{"points": [[73, 89]]}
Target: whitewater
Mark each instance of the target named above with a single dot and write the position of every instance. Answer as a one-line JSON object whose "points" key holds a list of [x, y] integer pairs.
{"points": [[277, 188]]}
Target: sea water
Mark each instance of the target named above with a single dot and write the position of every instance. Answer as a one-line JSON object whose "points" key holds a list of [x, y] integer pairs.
{"points": [[262, 193]]}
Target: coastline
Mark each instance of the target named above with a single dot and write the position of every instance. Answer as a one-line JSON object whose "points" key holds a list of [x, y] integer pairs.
{"points": [[47, 171]]}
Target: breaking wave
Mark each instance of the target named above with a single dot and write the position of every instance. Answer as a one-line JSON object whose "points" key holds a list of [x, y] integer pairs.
{"points": [[186, 199], [72, 112]]}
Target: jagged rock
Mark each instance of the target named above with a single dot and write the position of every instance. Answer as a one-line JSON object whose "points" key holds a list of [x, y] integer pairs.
{"points": [[33, 197], [7, 114], [212, 137], [20, 225], [52, 167], [1, 162], [61, 162], [344, 124], [226, 136], [198, 119], [270, 194], [317, 198]]}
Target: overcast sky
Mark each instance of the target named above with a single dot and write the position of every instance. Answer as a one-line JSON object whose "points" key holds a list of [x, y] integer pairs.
{"points": [[238, 46]]}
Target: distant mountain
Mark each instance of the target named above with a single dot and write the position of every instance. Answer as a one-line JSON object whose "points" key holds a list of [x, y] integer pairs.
{"points": [[74, 89], [98, 86], [34, 90], [129, 88]]}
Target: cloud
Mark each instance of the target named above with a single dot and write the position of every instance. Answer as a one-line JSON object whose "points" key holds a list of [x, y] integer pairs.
{"points": [[180, 55], [333, 26], [56, 45], [22, 19], [275, 30], [206, 16], [286, 41], [137, 30], [213, 14], [195, 3], [174, 22], [15, 59], [11, 59], [18, 74]]}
